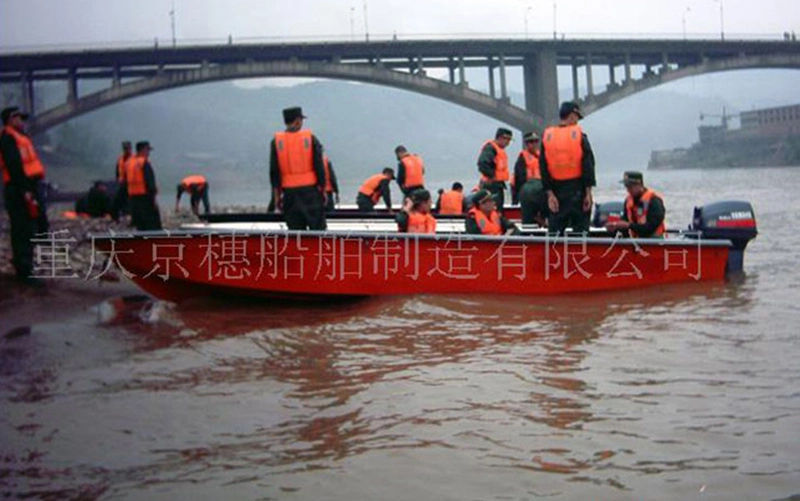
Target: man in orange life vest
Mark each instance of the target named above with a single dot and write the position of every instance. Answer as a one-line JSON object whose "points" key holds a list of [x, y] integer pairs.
{"points": [[415, 217], [297, 173], [566, 163], [528, 182], [410, 171], [493, 165], [120, 203], [451, 202], [197, 188], [644, 210], [375, 188], [23, 177], [484, 218], [331, 185], [142, 190]]}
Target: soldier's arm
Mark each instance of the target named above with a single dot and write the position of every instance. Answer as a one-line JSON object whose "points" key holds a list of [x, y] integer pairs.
{"points": [[13, 161], [471, 226], [588, 163], [486, 161], [319, 164]]}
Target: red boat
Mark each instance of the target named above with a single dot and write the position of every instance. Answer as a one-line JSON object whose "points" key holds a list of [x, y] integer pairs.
{"points": [[364, 257]]}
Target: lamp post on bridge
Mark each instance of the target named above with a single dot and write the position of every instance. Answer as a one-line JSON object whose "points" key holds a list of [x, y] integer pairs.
{"points": [[172, 22], [527, 11], [688, 9], [352, 24], [721, 21], [555, 37], [366, 22]]}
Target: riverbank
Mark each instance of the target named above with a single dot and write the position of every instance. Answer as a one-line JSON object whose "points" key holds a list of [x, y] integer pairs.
{"points": [[73, 283]]}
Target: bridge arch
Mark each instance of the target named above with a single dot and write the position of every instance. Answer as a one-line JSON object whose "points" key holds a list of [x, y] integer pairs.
{"points": [[375, 74], [616, 93]]}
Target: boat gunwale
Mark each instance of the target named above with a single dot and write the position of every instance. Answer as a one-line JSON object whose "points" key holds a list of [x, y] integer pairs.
{"points": [[462, 237]]}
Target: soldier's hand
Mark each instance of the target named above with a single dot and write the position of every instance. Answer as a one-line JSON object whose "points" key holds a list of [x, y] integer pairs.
{"points": [[552, 202], [587, 202]]}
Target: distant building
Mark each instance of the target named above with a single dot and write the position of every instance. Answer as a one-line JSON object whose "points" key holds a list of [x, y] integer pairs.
{"points": [[712, 134], [769, 121], [765, 137]]}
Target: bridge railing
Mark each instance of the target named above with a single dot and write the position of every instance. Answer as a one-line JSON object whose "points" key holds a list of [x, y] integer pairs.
{"points": [[165, 44]]}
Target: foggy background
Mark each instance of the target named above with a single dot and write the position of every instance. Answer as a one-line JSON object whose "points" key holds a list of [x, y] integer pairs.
{"points": [[222, 130]]}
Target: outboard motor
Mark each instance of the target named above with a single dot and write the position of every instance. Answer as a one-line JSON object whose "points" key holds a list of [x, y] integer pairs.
{"points": [[732, 220], [607, 212]]}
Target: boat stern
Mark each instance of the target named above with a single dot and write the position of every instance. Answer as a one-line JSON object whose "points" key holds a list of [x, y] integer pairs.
{"points": [[733, 220]]}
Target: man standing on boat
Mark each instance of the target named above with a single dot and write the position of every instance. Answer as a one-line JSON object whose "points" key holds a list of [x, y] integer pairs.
{"points": [[485, 219], [644, 210], [493, 165], [297, 173], [120, 203], [142, 190], [410, 171], [23, 178], [528, 182], [375, 188], [566, 163]]}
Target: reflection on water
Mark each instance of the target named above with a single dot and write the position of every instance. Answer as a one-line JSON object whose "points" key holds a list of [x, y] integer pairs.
{"points": [[687, 391]]}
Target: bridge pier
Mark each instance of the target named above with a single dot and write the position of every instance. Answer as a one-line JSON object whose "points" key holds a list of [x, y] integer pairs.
{"points": [[627, 68], [72, 86], [115, 78], [575, 84], [664, 63], [452, 70], [503, 88], [26, 84], [540, 79], [462, 79], [589, 80], [491, 76]]}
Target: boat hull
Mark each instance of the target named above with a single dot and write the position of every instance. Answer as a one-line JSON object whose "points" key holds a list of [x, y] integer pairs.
{"points": [[315, 265]]}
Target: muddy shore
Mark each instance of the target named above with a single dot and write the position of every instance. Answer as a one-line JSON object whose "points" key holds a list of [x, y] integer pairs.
{"points": [[77, 287]]}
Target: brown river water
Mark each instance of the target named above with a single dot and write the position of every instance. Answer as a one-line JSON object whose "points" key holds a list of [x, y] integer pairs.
{"points": [[686, 392]]}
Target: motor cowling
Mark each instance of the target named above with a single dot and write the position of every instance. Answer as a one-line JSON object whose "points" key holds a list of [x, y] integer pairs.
{"points": [[733, 220], [607, 212]]}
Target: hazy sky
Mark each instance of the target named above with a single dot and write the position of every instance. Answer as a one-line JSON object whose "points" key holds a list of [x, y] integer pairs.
{"points": [[45, 22]]}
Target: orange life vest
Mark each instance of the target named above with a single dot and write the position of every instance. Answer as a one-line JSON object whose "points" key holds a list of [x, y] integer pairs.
{"points": [[414, 171], [31, 165], [638, 214], [452, 202], [421, 223], [563, 151], [488, 225], [195, 180], [135, 176], [295, 159], [122, 168], [328, 183], [531, 165], [370, 187], [500, 162]]}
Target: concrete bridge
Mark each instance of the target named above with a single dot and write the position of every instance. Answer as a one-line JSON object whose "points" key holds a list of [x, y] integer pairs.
{"points": [[632, 65]]}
